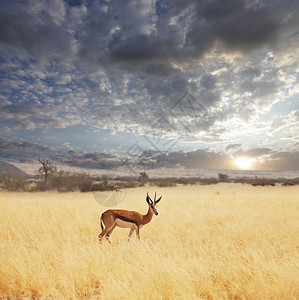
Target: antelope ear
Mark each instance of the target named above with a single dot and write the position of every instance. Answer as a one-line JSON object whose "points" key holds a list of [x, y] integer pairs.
{"points": [[158, 200]]}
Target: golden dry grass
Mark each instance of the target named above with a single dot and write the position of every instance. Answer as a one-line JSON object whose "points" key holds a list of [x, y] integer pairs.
{"points": [[228, 241]]}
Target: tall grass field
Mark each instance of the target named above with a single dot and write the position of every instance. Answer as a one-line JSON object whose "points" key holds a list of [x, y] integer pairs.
{"points": [[224, 241]]}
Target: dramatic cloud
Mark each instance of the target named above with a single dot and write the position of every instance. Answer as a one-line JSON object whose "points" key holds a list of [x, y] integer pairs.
{"points": [[118, 68], [90, 160], [282, 161]]}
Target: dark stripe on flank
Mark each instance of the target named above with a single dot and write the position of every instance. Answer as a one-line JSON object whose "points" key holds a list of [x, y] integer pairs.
{"points": [[125, 219]]}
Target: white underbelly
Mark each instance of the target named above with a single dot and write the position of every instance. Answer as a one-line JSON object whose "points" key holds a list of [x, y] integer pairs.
{"points": [[125, 224]]}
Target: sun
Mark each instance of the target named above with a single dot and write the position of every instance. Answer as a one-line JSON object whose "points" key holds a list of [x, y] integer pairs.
{"points": [[244, 162]]}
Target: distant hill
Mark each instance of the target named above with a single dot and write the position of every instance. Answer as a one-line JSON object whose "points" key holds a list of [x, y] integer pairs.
{"points": [[6, 168]]}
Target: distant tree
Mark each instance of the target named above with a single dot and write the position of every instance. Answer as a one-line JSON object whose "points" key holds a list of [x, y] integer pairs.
{"points": [[223, 177], [143, 177], [105, 181], [46, 168]]}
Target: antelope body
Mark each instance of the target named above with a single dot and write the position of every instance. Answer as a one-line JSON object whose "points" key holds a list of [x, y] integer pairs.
{"points": [[127, 219]]}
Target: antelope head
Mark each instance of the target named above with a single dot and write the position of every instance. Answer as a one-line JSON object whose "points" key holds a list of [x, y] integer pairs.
{"points": [[152, 204]]}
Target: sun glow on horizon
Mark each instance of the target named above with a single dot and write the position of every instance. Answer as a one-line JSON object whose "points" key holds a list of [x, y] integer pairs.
{"points": [[244, 162]]}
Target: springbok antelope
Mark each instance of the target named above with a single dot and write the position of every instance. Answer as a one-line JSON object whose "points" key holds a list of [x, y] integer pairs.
{"points": [[127, 219]]}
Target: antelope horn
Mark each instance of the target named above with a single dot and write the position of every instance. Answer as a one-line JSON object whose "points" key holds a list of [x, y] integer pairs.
{"points": [[155, 197], [149, 198]]}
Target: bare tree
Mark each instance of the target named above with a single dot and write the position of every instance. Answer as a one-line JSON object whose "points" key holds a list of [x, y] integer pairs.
{"points": [[46, 168]]}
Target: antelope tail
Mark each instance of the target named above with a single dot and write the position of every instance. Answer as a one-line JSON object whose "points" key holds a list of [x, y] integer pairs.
{"points": [[101, 222]]}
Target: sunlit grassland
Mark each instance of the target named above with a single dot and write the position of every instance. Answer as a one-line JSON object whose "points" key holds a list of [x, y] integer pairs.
{"points": [[225, 241]]}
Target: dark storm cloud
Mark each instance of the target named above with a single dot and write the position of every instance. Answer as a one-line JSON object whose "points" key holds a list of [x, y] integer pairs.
{"points": [[282, 161], [141, 36], [138, 48], [140, 32], [240, 25], [39, 33], [90, 160], [132, 33], [161, 70], [8, 144], [202, 159]]}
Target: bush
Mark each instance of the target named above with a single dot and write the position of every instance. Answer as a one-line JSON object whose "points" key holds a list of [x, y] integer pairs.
{"points": [[186, 181], [289, 183], [263, 182], [115, 185], [64, 181], [208, 181], [13, 183], [162, 183]]}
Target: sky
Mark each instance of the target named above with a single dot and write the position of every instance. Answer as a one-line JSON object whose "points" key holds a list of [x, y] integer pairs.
{"points": [[207, 84]]}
